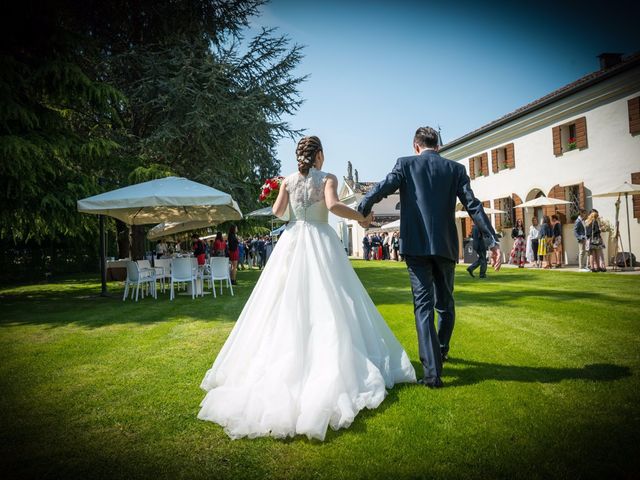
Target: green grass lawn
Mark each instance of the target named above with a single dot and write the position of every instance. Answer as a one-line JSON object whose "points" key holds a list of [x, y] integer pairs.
{"points": [[542, 383]]}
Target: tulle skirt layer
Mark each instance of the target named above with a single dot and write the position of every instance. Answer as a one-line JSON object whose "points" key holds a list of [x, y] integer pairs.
{"points": [[309, 350]]}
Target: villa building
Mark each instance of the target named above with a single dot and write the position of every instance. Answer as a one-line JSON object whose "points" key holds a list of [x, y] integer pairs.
{"points": [[576, 141]]}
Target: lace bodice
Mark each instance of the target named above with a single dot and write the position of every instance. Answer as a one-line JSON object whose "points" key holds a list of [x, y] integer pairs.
{"points": [[306, 196]]}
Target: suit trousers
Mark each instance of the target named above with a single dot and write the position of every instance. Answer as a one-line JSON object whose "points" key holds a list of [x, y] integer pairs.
{"points": [[432, 280], [481, 262]]}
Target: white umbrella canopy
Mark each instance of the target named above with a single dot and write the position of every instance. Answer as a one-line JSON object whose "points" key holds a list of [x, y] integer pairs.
{"points": [[542, 202], [487, 210], [169, 228], [262, 212], [171, 199], [626, 187], [391, 225]]}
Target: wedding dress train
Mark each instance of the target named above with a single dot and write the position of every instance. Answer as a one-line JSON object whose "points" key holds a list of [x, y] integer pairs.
{"points": [[309, 349]]}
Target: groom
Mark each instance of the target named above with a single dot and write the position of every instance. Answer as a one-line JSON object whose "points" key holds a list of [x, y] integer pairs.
{"points": [[429, 185]]}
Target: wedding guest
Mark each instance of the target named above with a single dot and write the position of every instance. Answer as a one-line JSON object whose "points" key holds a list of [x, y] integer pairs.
{"points": [[161, 249], [395, 246], [376, 246], [579, 231], [234, 253], [532, 242], [480, 248], [178, 247], [219, 246], [518, 252], [261, 253], [199, 249], [241, 254], [268, 246], [248, 252], [544, 243], [366, 247], [386, 240], [556, 240], [595, 242]]}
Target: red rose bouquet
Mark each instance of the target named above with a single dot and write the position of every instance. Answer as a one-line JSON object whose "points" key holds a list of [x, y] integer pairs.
{"points": [[270, 189]]}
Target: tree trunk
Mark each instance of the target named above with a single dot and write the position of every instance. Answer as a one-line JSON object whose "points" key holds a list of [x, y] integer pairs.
{"points": [[122, 235]]}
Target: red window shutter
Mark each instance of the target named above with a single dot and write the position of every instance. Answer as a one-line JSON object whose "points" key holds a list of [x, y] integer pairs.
{"points": [[498, 217], [472, 168], [485, 204], [511, 157], [557, 143], [635, 179], [581, 132], [634, 116], [494, 160], [484, 164], [582, 197]]}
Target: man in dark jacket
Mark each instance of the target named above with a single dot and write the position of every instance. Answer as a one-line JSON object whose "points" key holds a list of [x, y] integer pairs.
{"points": [[429, 186], [477, 242]]}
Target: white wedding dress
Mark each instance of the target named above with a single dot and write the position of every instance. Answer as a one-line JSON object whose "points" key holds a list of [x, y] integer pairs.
{"points": [[309, 348]]}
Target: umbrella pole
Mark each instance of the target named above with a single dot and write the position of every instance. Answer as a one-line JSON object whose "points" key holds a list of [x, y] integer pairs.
{"points": [[103, 269], [130, 241], [626, 201]]}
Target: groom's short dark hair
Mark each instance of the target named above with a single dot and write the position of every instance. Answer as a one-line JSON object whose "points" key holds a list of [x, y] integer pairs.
{"points": [[426, 137]]}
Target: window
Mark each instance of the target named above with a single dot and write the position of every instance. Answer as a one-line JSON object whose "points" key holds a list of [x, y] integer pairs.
{"points": [[398, 206], [634, 115], [503, 158], [575, 195], [479, 166], [504, 220], [570, 136]]}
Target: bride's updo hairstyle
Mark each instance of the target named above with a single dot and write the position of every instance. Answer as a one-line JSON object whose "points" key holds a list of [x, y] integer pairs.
{"points": [[306, 151]]}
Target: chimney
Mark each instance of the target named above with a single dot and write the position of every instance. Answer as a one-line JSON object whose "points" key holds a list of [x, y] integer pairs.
{"points": [[608, 60]]}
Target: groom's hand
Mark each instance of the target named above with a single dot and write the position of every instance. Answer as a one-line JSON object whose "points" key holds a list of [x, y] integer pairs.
{"points": [[496, 258]]}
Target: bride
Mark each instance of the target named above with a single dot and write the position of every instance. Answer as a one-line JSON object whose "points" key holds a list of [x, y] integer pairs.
{"points": [[309, 349]]}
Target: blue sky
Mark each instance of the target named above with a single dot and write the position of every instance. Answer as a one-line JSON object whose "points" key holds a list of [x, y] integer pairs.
{"points": [[378, 70]]}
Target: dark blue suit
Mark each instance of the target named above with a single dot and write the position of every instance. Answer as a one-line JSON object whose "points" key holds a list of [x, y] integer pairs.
{"points": [[429, 185]]}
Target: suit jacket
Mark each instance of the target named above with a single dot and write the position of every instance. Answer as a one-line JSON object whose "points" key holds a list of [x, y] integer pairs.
{"points": [[429, 185]]}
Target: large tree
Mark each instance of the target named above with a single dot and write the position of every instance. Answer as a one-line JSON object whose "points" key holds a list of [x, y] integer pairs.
{"points": [[120, 90]]}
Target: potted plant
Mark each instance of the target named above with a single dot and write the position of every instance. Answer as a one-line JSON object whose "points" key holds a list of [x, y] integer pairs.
{"points": [[572, 144]]}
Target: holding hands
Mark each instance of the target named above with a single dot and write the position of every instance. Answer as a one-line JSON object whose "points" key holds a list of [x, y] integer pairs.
{"points": [[367, 220]]}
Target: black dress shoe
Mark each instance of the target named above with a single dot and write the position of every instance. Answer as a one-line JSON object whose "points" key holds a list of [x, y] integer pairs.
{"points": [[470, 272], [431, 383], [483, 276]]}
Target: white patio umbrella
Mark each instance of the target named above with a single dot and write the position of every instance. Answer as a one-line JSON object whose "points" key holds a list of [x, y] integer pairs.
{"points": [[487, 210], [542, 202], [168, 228], [262, 212], [170, 199], [626, 188], [391, 225]]}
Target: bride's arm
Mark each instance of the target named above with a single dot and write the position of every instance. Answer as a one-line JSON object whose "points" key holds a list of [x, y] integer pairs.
{"points": [[334, 205], [280, 205]]}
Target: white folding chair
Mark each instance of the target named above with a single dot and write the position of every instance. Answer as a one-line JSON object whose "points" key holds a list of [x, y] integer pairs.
{"points": [[219, 270], [182, 271], [163, 270], [141, 278]]}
